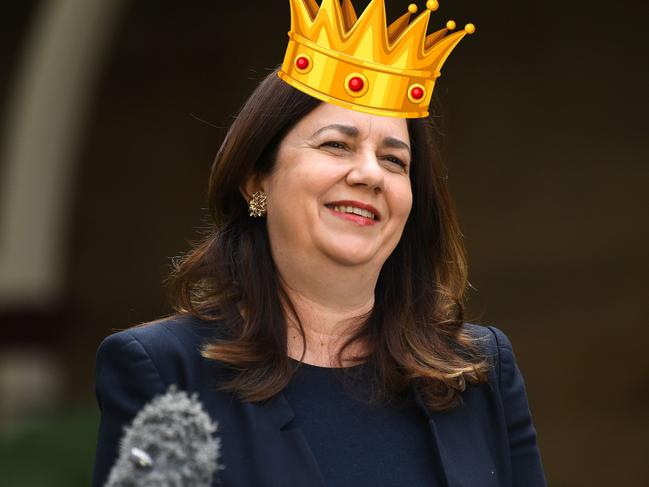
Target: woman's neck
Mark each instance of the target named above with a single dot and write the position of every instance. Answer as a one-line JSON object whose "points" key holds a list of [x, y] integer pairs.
{"points": [[327, 309]]}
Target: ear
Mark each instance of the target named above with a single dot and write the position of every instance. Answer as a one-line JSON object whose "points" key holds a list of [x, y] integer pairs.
{"points": [[252, 184]]}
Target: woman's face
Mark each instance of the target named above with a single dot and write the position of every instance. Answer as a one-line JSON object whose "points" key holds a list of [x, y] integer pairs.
{"points": [[340, 188]]}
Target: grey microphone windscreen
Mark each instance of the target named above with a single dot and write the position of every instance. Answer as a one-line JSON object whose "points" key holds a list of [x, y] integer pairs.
{"points": [[169, 444]]}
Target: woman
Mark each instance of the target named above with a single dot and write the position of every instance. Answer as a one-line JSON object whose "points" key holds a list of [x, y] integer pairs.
{"points": [[335, 246]]}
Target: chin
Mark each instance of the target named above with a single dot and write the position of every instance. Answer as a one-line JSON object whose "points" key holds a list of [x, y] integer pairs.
{"points": [[351, 255], [350, 261]]}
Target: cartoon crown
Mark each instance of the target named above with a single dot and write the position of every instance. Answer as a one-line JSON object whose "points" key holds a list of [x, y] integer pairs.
{"points": [[361, 64]]}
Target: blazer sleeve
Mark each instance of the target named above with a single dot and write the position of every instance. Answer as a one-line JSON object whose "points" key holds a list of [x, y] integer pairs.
{"points": [[527, 469], [125, 380]]}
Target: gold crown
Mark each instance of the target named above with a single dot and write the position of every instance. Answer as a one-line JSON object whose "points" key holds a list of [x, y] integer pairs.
{"points": [[361, 64]]}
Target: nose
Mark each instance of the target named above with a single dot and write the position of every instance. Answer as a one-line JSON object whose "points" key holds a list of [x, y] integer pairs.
{"points": [[366, 171]]}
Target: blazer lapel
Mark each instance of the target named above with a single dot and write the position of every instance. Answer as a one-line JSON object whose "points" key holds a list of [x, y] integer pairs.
{"points": [[443, 462], [286, 456], [460, 445]]}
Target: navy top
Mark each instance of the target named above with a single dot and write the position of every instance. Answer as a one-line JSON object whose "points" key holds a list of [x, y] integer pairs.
{"points": [[355, 442]]}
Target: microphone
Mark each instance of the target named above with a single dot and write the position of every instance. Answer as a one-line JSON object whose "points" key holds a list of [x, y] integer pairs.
{"points": [[169, 444]]}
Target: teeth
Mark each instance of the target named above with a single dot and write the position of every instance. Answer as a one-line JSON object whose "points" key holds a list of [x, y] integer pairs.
{"points": [[355, 211]]}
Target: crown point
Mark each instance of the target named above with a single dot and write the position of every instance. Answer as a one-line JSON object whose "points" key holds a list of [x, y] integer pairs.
{"points": [[432, 5], [412, 8], [469, 28], [450, 25]]}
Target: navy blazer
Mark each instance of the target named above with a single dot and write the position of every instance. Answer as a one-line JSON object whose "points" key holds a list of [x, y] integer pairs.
{"points": [[489, 440]]}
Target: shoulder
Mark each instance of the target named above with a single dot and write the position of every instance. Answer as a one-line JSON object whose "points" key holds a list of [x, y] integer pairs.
{"points": [[505, 376], [137, 364], [488, 337], [494, 345], [168, 346], [165, 333]]}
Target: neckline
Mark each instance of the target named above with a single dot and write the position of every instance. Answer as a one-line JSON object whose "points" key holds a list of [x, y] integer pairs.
{"points": [[322, 368]]}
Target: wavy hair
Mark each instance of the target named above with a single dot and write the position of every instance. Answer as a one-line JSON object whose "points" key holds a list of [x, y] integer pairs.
{"points": [[414, 331]]}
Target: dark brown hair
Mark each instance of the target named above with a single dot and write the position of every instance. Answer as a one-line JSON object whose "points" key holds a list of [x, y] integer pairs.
{"points": [[414, 331]]}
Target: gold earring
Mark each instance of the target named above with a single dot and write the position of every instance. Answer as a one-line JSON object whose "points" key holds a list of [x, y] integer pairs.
{"points": [[257, 204]]}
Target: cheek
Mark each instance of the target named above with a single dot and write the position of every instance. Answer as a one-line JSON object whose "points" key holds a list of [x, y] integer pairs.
{"points": [[307, 181], [401, 199], [292, 197]]}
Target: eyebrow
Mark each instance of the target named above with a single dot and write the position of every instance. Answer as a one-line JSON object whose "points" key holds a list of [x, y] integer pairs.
{"points": [[352, 131]]}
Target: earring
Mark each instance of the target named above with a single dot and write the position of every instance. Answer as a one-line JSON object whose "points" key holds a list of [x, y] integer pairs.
{"points": [[257, 204]]}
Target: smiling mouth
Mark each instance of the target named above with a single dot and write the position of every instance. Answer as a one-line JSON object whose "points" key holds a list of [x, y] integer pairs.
{"points": [[353, 210]]}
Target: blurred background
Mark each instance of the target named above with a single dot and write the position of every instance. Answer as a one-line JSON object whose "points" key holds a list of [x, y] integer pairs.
{"points": [[111, 113]]}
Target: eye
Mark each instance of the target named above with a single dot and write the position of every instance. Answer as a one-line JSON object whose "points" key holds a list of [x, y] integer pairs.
{"points": [[334, 144], [396, 160]]}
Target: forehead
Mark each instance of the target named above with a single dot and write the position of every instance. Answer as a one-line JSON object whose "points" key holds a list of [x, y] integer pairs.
{"points": [[367, 124]]}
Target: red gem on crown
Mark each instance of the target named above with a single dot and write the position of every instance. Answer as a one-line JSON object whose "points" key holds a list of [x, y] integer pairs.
{"points": [[356, 84], [417, 93], [302, 62]]}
